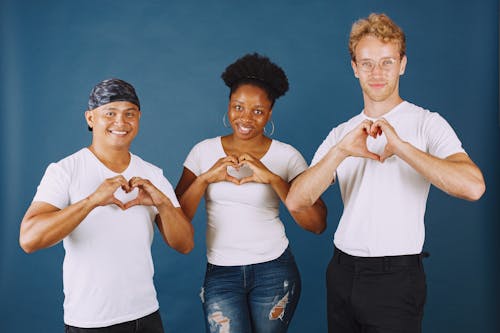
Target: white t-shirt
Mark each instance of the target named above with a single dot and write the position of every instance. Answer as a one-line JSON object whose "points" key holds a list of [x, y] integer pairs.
{"points": [[384, 203], [108, 269], [243, 225]]}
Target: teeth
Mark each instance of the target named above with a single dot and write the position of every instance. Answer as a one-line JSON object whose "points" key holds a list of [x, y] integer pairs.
{"points": [[119, 132], [245, 129]]}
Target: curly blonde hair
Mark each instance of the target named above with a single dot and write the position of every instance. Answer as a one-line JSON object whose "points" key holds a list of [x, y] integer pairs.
{"points": [[379, 26]]}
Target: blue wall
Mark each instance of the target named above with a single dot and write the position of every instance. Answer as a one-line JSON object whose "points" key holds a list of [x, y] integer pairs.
{"points": [[53, 52]]}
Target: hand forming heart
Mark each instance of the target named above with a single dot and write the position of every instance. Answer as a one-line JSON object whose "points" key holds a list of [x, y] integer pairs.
{"points": [[125, 194], [238, 170], [354, 143]]}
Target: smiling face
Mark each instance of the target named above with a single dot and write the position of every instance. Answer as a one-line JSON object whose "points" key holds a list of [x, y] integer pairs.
{"points": [[114, 125], [249, 111], [381, 84]]}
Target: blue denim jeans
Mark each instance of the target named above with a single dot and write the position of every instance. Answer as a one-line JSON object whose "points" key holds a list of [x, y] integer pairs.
{"points": [[258, 298]]}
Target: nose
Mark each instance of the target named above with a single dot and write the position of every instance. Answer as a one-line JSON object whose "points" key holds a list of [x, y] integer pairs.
{"points": [[120, 118], [247, 115], [377, 70]]}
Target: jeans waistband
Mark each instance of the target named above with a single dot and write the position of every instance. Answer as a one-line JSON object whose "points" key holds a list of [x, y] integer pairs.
{"points": [[387, 261]]}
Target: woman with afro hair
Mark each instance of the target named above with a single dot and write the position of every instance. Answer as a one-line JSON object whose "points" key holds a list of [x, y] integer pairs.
{"points": [[252, 283]]}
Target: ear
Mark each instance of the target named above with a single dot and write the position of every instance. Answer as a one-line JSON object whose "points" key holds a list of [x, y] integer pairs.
{"points": [[89, 117], [354, 69], [402, 67]]}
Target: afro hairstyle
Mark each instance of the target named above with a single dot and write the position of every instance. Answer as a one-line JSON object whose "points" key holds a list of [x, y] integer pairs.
{"points": [[257, 70]]}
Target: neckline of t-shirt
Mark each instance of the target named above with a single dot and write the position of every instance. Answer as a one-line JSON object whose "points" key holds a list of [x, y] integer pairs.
{"points": [[105, 167], [388, 114], [223, 152]]}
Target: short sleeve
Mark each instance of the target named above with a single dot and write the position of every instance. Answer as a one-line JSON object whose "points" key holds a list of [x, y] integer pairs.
{"points": [[54, 187], [442, 139], [296, 164], [324, 148], [164, 185], [192, 161]]}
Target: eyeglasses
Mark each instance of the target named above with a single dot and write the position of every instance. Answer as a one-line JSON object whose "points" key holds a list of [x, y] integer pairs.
{"points": [[368, 65]]}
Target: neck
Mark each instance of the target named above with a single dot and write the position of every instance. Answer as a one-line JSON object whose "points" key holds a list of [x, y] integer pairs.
{"points": [[257, 146], [377, 109], [116, 160]]}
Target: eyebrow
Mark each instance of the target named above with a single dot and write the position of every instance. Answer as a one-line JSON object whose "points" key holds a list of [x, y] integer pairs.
{"points": [[390, 57], [238, 101], [118, 109]]}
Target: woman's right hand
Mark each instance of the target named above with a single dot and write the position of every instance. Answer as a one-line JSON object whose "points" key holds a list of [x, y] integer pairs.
{"points": [[218, 172]]}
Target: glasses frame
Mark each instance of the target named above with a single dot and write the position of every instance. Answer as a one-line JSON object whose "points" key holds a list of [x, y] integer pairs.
{"points": [[386, 67]]}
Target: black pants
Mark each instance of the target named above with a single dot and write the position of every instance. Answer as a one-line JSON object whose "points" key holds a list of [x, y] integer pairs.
{"points": [[148, 324], [375, 295]]}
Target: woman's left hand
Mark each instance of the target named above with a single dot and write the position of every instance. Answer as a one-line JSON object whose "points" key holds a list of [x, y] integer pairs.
{"points": [[261, 173]]}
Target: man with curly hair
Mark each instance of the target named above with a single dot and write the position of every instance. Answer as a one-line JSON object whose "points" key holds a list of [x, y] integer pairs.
{"points": [[385, 159]]}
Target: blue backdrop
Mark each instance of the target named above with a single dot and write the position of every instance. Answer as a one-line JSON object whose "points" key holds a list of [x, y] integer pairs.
{"points": [[53, 52]]}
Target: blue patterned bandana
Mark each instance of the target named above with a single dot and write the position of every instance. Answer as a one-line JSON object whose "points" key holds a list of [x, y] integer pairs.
{"points": [[112, 90]]}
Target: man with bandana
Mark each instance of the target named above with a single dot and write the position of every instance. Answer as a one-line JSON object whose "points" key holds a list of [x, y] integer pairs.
{"points": [[103, 202]]}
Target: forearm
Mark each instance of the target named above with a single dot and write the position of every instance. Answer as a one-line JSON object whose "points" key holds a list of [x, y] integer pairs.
{"points": [[47, 229], [456, 175], [313, 218], [191, 198], [308, 186], [176, 229]]}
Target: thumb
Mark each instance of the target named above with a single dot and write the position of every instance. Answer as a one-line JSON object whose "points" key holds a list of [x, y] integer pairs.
{"points": [[117, 202], [373, 156], [132, 203]]}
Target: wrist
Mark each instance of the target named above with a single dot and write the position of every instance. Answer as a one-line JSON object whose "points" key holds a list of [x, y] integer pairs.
{"points": [[90, 202], [274, 179], [339, 153]]}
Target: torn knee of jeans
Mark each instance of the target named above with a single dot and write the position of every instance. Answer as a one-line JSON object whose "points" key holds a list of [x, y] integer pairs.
{"points": [[218, 322], [278, 310]]}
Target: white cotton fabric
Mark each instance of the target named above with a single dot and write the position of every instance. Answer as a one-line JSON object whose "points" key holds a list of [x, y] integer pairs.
{"points": [[108, 269], [384, 203], [243, 224]]}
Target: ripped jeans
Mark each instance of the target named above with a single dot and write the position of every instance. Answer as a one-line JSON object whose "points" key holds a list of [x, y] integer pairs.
{"points": [[258, 298]]}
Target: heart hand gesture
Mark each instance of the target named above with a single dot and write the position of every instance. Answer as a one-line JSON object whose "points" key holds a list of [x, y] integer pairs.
{"points": [[148, 194], [393, 140], [104, 194], [354, 142], [219, 171], [260, 173]]}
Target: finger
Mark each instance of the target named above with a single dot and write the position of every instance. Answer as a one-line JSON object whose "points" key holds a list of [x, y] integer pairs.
{"points": [[229, 178], [132, 203], [117, 202], [370, 155], [245, 180], [366, 125], [374, 130]]}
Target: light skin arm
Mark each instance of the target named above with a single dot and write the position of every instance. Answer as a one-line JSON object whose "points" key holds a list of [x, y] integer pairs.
{"points": [[308, 186], [312, 218], [45, 225], [174, 226], [456, 174]]}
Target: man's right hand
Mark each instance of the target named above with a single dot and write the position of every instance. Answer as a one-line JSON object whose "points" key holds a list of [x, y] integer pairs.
{"points": [[354, 142], [104, 194]]}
